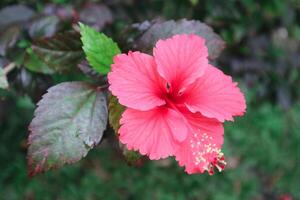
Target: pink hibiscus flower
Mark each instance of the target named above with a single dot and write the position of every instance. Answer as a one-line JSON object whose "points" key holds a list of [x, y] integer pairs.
{"points": [[176, 103]]}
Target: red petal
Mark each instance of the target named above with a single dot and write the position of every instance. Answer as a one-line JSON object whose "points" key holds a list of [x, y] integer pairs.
{"points": [[181, 59], [135, 82], [215, 96], [155, 133]]}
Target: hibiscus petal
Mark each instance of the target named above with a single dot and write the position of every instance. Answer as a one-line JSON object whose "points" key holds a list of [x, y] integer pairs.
{"points": [[215, 96], [151, 132], [202, 148], [135, 82], [181, 59]]}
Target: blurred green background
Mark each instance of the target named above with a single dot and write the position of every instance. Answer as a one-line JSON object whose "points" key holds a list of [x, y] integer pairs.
{"points": [[262, 148]]}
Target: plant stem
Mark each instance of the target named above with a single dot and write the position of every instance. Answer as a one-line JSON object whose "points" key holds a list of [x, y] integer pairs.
{"points": [[8, 68], [103, 87]]}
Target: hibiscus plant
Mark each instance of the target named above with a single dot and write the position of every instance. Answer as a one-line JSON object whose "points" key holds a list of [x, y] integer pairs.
{"points": [[161, 95]]}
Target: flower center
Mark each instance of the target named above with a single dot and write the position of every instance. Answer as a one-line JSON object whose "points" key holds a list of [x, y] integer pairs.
{"points": [[172, 96]]}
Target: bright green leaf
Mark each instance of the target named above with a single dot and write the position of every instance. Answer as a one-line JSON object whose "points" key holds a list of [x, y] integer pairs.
{"points": [[69, 121], [99, 49]]}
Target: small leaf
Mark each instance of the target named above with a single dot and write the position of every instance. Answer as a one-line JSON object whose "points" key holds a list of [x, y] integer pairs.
{"points": [[69, 121], [115, 111], [99, 49], [3, 79], [33, 63], [164, 29], [61, 52]]}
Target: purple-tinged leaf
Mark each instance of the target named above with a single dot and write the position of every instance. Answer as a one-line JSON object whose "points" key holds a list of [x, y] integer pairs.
{"points": [[284, 97], [88, 70], [61, 52], [30, 84], [63, 12], [3, 62], [69, 121], [8, 39], [45, 26], [13, 15], [164, 29], [95, 15]]}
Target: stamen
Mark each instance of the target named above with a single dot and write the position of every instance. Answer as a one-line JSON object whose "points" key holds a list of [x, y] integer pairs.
{"points": [[206, 153], [219, 163]]}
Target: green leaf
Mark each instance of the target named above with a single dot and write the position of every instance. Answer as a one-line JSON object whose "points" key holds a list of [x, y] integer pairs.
{"points": [[115, 111], [99, 49], [62, 52], [69, 121], [3, 79], [33, 63]]}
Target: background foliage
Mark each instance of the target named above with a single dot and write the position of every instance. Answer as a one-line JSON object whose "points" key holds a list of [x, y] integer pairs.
{"points": [[262, 148]]}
